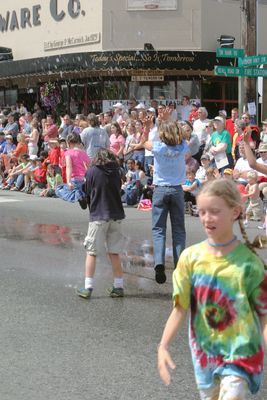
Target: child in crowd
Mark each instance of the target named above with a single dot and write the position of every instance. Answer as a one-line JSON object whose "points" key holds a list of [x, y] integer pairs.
{"points": [[53, 179], [38, 182], [223, 283], [103, 185], [201, 174], [54, 154], [191, 187], [212, 173], [16, 177], [255, 205]]}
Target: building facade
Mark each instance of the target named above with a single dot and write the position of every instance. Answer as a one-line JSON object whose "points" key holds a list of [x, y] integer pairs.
{"points": [[103, 51]]}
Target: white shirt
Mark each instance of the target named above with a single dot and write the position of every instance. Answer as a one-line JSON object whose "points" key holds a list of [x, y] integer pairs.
{"points": [[262, 162], [153, 136], [200, 129]]}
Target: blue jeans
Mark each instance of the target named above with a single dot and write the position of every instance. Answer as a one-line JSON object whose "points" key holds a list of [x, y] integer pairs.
{"points": [[139, 156], [168, 200], [71, 195], [149, 160]]}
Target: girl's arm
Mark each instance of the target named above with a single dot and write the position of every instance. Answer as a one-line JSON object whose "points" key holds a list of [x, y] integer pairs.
{"points": [[69, 171], [171, 329], [264, 329], [250, 156], [148, 145]]}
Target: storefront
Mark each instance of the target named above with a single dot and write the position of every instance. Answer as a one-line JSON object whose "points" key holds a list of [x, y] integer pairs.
{"points": [[94, 81]]}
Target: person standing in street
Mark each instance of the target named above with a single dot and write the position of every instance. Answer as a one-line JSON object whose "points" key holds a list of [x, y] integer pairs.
{"points": [[102, 188], [168, 197]]}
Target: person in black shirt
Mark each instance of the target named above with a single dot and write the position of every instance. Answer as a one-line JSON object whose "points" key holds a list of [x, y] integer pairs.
{"points": [[102, 188]]}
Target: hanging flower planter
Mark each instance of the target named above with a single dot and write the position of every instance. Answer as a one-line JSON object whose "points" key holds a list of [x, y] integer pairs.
{"points": [[50, 95]]}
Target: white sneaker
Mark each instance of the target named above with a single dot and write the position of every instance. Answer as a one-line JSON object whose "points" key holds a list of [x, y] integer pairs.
{"points": [[262, 226], [246, 223]]}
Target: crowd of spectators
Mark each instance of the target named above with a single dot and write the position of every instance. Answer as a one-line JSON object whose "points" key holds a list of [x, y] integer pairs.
{"points": [[33, 149]]}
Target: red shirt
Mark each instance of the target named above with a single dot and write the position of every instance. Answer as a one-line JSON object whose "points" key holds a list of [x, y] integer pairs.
{"points": [[54, 155], [230, 127], [40, 174]]}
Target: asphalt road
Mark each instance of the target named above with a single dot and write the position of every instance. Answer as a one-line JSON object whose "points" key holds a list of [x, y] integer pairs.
{"points": [[56, 346]]}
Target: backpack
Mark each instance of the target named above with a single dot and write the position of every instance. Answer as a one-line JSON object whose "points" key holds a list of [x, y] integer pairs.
{"points": [[131, 195]]}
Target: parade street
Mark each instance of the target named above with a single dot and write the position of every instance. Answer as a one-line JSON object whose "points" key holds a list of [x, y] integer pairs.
{"points": [[57, 346]]}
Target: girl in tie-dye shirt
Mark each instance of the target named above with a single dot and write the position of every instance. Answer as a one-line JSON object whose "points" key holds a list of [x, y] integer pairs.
{"points": [[224, 285]]}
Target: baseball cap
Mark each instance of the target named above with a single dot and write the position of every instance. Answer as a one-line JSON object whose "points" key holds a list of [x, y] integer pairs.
{"points": [[223, 112], [219, 118], [118, 105], [228, 171], [151, 109], [33, 157], [9, 137], [139, 106]]}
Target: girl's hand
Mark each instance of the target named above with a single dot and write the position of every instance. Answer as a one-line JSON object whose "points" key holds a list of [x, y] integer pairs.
{"points": [[164, 363], [70, 186]]}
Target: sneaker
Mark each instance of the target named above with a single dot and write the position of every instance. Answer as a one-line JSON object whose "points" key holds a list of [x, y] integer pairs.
{"points": [[160, 275], [83, 203], [116, 292], [84, 293], [262, 226], [245, 223]]}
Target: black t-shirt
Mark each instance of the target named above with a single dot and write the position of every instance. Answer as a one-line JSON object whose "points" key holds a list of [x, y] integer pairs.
{"points": [[102, 187]]}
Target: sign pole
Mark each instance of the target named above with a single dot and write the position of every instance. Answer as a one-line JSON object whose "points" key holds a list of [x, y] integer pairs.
{"points": [[248, 42]]}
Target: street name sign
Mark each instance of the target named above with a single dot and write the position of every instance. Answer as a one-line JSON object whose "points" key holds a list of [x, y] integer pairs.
{"points": [[229, 53], [252, 61], [237, 71]]}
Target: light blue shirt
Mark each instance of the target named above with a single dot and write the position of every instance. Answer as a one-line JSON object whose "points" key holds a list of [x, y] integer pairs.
{"points": [[169, 164]]}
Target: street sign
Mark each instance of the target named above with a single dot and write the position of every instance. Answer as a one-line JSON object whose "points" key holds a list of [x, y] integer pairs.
{"points": [[237, 71], [255, 72], [252, 61], [228, 71], [229, 53]]}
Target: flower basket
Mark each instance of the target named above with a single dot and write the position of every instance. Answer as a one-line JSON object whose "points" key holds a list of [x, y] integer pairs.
{"points": [[50, 95]]}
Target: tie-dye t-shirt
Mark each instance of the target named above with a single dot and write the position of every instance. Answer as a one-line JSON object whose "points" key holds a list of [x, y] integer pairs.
{"points": [[226, 295]]}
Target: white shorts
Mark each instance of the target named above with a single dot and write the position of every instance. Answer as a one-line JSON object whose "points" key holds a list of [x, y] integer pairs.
{"points": [[103, 234], [229, 388]]}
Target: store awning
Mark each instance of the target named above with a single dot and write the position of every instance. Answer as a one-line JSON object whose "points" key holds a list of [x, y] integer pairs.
{"points": [[111, 63]]}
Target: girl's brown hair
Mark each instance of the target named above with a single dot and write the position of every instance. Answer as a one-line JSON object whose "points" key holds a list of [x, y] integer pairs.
{"points": [[170, 133]]}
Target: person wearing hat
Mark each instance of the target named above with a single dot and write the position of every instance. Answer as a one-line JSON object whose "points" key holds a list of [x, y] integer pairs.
{"points": [[140, 106], [263, 134], [8, 148], [201, 173], [221, 147], [118, 111], [11, 127], [250, 155]]}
